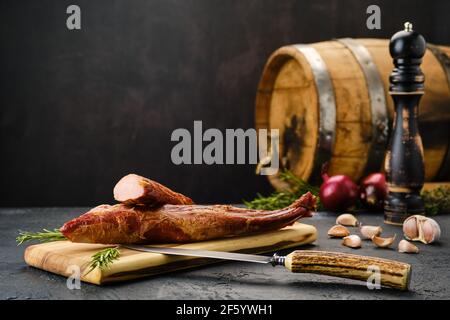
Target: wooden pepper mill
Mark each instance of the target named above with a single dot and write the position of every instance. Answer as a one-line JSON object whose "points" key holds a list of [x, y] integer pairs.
{"points": [[404, 164]]}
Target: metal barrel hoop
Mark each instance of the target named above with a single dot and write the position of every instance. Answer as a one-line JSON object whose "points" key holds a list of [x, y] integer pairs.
{"points": [[327, 106], [377, 96]]}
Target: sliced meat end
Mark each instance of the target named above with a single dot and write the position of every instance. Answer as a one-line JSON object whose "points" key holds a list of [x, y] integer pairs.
{"points": [[129, 189], [137, 190]]}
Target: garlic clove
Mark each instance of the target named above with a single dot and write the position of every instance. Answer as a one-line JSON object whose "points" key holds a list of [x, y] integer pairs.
{"points": [[431, 230], [410, 230], [407, 247], [369, 231], [352, 241], [421, 228], [347, 219], [383, 242], [338, 231]]}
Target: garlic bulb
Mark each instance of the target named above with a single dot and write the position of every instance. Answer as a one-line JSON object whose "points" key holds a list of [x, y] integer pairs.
{"points": [[338, 231], [407, 247], [421, 228], [369, 231], [383, 242], [347, 219], [352, 241]]}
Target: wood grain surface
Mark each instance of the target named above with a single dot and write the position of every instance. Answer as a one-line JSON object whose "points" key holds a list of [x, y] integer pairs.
{"points": [[393, 274], [57, 257]]}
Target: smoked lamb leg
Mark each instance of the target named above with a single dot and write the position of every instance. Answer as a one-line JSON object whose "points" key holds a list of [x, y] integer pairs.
{"points": [[123, 224]]}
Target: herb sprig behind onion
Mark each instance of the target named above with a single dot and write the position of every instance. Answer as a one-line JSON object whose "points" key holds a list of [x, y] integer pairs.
{"points": [[282, 199]]}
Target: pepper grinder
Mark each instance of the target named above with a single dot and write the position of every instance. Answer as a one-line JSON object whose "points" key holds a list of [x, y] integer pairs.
{"points": [[404, 164]]}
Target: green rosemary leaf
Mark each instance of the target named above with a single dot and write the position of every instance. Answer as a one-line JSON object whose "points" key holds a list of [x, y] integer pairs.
{"points": [[436, 200], [278, 200], [298, 184], [104, 258], [43, 236]]}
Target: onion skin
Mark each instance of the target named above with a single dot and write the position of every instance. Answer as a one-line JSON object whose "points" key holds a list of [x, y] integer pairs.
{"points": [[338, 193], [373, 191]]}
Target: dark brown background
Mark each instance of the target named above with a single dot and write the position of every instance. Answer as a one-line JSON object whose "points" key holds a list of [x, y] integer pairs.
{"points": [[79, 109]]}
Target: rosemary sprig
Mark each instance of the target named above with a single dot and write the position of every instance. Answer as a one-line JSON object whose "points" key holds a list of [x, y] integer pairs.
{"points": [[274, 201], [43, 236], [298, 185], [101, 259], [278, 200], [436, 200], [104, 258]]}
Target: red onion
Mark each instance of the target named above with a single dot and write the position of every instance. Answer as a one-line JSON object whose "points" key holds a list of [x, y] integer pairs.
{"points": [[337, 193], [373, 191]]}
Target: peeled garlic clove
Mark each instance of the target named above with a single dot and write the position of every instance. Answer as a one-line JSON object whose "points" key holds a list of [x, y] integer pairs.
{"points": [[347, 219], [352, 241], [421, 228], [407, 247], [383, 242], [369, 231], [338, 231]]}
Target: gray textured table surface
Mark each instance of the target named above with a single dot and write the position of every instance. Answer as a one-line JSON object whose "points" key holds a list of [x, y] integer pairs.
{"points": [[227, 280]]}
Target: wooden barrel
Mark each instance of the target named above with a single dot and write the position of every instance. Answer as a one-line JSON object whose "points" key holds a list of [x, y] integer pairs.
{"points": [[330, 102]]}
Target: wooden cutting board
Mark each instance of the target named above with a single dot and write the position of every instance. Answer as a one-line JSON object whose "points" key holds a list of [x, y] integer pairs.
{"points": [[60, 257]]}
